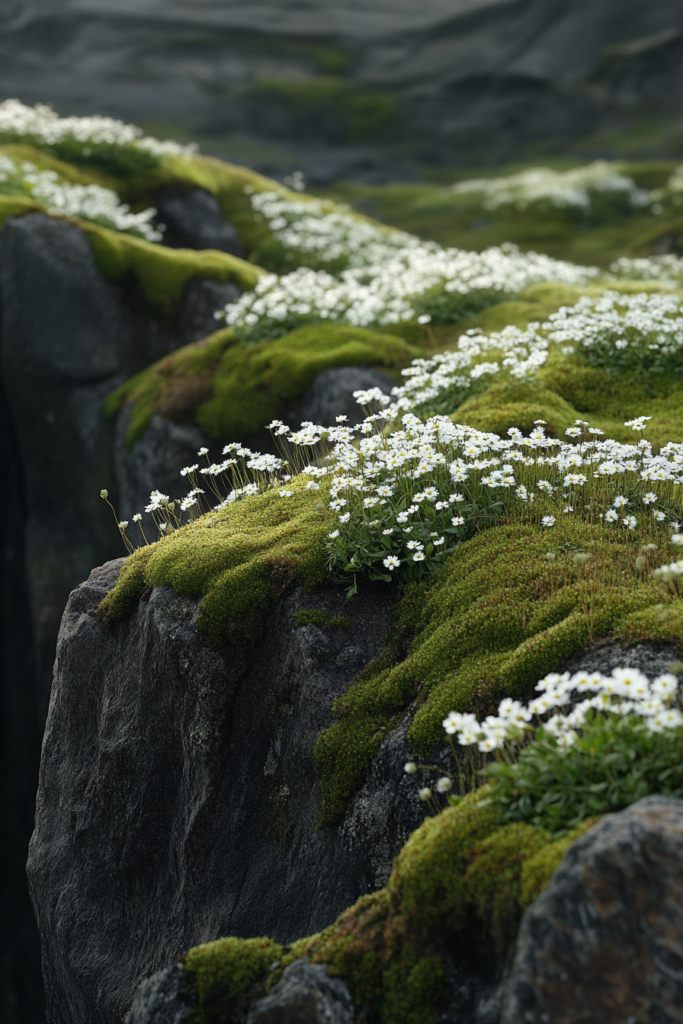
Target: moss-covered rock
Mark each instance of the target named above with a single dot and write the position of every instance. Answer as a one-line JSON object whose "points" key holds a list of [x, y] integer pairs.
{"points": [[237, 559], [460, 878], [229, 390], [490, 624]]}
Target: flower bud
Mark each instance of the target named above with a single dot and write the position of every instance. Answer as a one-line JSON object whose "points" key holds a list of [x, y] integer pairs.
{"points": [[104, 494], [410, 767], [425, 794], [641, 562], [444, 784]]}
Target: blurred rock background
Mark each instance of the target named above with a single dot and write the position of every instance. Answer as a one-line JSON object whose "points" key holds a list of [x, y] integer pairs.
{"points": [[366, 89]]}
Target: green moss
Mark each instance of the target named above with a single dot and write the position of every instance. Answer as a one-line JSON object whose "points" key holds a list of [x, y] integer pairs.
{"points": [[313, 617], [460, 884], [231, 391], [437, 213], [15, 206], [517, 403], [236, 559], [218, 973], [162, 273], [490, 624]]}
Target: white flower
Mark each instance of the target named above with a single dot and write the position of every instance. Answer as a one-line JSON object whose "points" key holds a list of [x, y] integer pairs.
{"points": [[418, 556], [392, 562], [286, 494], [444, 784], [677, 538], [665, 685], [457, 520], [611, 516], [620, 501], [548, 520], [345, 517], [650, 498], [333, 535], [630, 521]]}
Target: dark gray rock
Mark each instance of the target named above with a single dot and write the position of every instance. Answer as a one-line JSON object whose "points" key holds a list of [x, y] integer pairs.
{"points": [[178, 799], [159, 999], [201, 300], [331, 395], [305, 994], [154, 461], [193, 220], [652, 659], [604, 942]]}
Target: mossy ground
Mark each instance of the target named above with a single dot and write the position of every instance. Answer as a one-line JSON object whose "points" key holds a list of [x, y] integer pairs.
{"points": [[435, 212], [458, 889], [231, 391], [498, 617], [236, 559]]}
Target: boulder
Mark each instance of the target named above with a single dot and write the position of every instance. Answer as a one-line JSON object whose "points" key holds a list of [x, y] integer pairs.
{"points": [[178, 798], [160, 1000], [604, 942], [154, 461], [331, 395], [193, 220], [305, 994]]}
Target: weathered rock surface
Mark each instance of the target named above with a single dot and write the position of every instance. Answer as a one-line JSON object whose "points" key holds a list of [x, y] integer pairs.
{"points": [[178, 798], [305, 994], [604, 942], [475, 79], [193, 220], [159, 999]]}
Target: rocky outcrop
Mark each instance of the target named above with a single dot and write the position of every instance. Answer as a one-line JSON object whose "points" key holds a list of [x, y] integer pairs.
{"points": [[178, 799], [474, 79], [604, 941]]}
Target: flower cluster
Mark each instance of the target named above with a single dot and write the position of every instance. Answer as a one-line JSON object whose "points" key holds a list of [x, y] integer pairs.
{"points": [[327, 231], [666, 268], [640, 333], [564, 705], [386, 292], [400, 502], [404, 500], [91, 202], [44, 125], [442, 382], [574, 188], [637, 333]]}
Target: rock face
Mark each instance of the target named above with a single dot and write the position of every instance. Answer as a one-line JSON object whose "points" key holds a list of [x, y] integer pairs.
{"points": [[67, 338], [474, 79], [159, 999], [178, 798], [604, 942]]}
